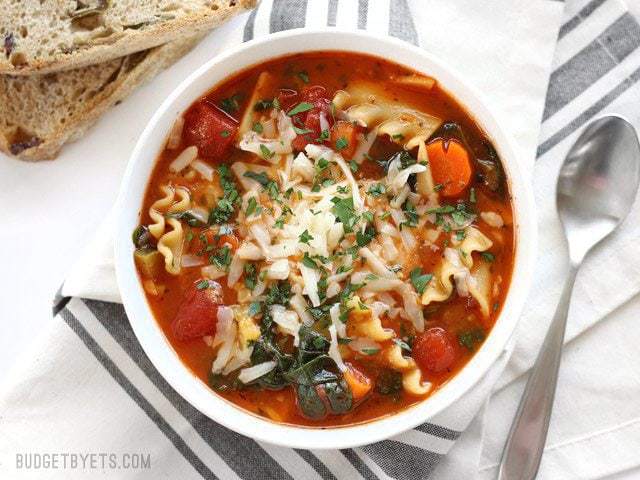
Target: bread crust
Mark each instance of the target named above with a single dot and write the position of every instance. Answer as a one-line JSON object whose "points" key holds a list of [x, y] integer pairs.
{"points": [[41, 134], [129, 40]]}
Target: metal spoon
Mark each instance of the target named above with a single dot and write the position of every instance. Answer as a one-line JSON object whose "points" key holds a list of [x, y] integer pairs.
{"points": [[596, 188]]}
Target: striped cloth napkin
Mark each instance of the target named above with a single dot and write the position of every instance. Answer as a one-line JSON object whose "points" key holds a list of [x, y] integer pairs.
{"points": [[90, 388]]}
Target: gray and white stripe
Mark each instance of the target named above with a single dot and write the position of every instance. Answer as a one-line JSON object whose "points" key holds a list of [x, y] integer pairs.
{"points": [[596, 66], [392, 17], [597, 63]]}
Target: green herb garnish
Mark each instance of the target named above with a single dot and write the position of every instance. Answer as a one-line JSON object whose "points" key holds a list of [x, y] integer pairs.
{"points": [[420, 280], [341, 143], [300, 108], [471, 338], [230, 105], [377, 190], [488, 256], [266, 153], [305, 237]]}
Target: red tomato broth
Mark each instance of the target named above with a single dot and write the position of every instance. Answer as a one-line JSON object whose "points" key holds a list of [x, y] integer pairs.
{"points": [[334, 71]]}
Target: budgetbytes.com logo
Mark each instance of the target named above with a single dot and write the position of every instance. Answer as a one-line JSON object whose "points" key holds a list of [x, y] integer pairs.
{"points": [[85, 461]]}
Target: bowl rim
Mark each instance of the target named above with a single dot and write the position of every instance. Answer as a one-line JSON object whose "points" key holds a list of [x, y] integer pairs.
{"points": [[135, 179]]}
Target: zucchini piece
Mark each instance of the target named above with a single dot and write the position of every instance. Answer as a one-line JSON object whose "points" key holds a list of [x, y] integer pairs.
{"points": [[149, 261]]}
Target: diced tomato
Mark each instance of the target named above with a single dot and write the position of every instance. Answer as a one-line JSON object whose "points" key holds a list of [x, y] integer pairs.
{"points": [[344, 138], [220, 240], [434, 350], [230, 240], [300, 142], [311, 125], [198, 313], [316, 92], [287, 98], [311, 119], [210, 129]]}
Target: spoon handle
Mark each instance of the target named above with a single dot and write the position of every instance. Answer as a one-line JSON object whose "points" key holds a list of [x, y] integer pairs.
{"points": [[525, 444]]}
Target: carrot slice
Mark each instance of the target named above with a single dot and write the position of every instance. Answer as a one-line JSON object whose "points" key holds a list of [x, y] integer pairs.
{"points": [[450, 166], [358, 382], [344, 138]]}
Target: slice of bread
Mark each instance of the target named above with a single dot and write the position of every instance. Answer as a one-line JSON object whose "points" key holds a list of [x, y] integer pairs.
{"points": [[40, 113], [52, 35]]}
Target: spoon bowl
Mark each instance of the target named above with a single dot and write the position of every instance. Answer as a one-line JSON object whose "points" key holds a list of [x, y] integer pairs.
{"points": [[598, 183]]}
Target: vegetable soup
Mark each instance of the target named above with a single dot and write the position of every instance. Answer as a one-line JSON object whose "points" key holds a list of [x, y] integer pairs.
{"points": [[326, 239]]}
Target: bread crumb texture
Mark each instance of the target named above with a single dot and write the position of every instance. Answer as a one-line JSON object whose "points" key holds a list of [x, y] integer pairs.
{"points": [[43, 112]]}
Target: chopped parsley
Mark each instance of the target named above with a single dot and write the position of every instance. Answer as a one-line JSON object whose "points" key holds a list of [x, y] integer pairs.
{"points": [[459, 214], [231, 105], [324, 135], [266, 153], [202, 284], [299, 108], [222, 258], [420, 280], [364, 238], [264, 105], [344, 211], [279, 223], [471, 338], [307, 261], [305, 237], [354, 166], [488, 256], [411, 214], [301, 131], [225, 208], [250, 276], [322, 165], [377, 190], [402, 344], [303, 76], [370, 351], [225, 133], [341, 143], [322, 286], [406, 160], [252, 207], [279, 293], [262, 178], [257, 127], [270, 186], [398, 136], [254, 309], [344, 269]]}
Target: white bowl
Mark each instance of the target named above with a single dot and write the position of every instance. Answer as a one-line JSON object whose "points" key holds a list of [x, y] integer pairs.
{"points": [[150, 335]]}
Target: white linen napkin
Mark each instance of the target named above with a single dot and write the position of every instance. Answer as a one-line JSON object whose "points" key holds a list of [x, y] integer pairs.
{"points": [[477, 44]]}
